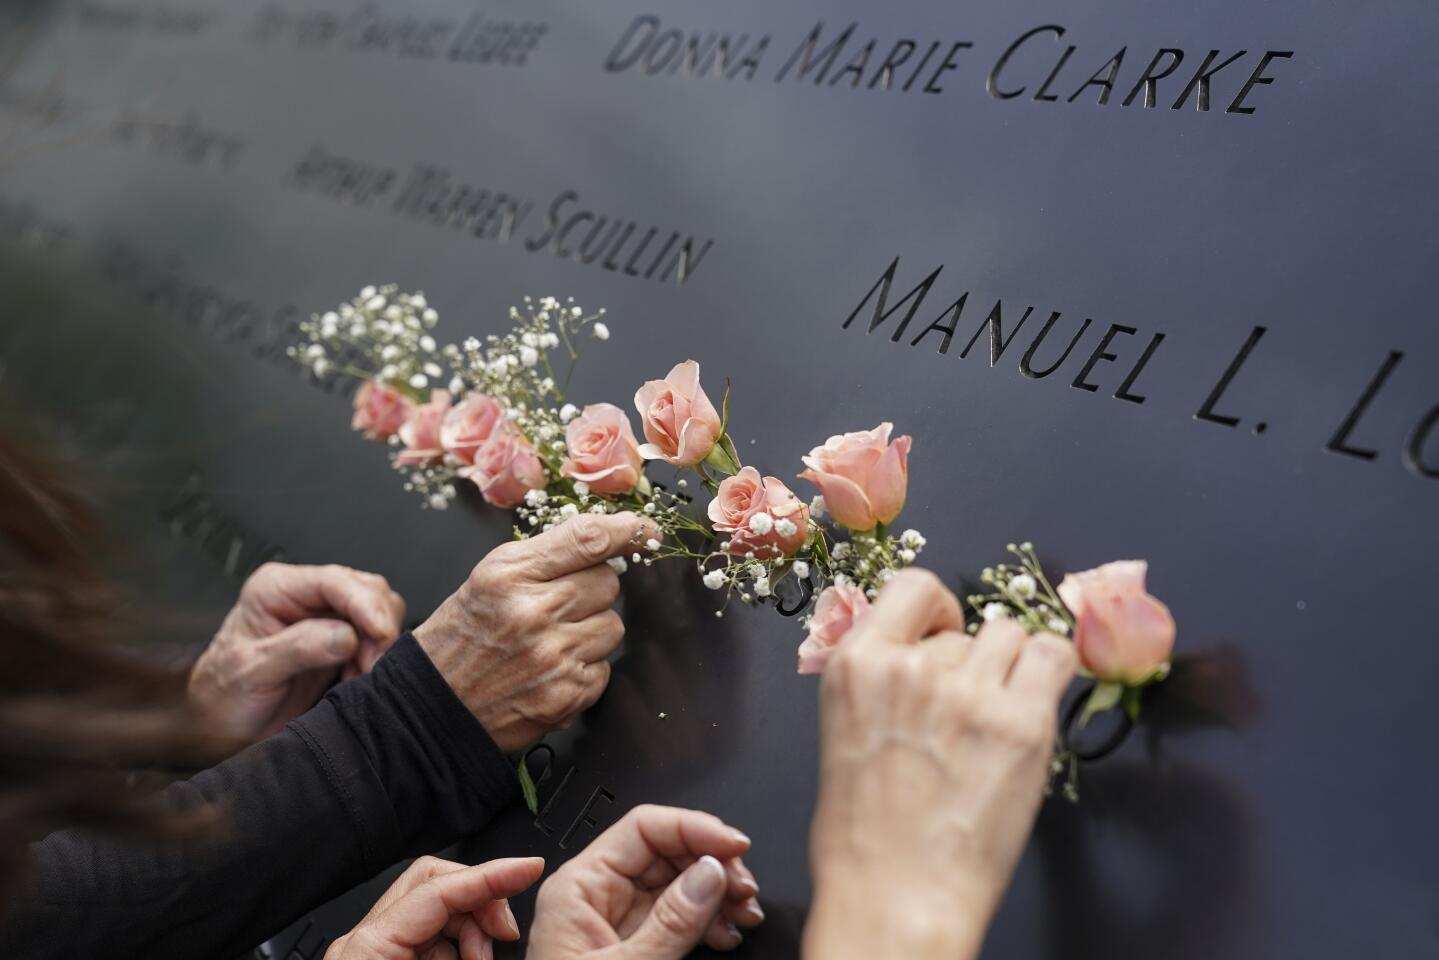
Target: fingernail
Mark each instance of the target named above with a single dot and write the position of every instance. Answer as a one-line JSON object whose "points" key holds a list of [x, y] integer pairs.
{"points": [[734, 933], [703, 881], [740, 836], [754, 910], [510, 919]]}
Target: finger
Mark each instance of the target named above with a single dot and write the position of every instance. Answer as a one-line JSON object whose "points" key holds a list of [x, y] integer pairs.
{"points": [[996, 648], [682, 915], [419, 870], [947, 649], [582, 542], [498, 920], [598, 636], [364, 599], [722, 934], [745, 914], [741, 882], [649, 833], [596, 677], [587, 592], [422, 914], [913, 605], [1046, 665], [307, 645]]}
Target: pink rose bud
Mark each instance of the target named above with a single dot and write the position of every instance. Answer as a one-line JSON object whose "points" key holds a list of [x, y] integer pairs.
{"points": [[468, 424], [505, 467], [746, 494], [380, 410], [679, 421], [1121, 633], [863, 476], [840, 606], [602, 450], [421, 432]]}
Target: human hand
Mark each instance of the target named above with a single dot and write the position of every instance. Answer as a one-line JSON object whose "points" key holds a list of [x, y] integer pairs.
{"points": [[651, 887], [436, 901], [523, 641], [934, 757], [293, 631]]}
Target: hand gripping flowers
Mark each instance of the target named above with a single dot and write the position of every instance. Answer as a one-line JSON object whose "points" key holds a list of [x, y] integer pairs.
{"points": [[494, 415]]}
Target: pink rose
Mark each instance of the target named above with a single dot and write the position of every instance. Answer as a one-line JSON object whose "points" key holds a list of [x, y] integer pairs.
{"points": [[469, 424], [1121, 633], [602, 450], [840, 606], [679, 421], [505, 467], [863, 476], [747, 494], [380, 410], [421, 432]]}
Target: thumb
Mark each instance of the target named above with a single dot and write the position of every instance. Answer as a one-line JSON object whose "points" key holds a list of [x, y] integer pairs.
{"points": [[307, 645], [681, 915]]}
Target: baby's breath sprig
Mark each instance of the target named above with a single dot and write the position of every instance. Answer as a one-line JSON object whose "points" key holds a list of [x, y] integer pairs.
{"points": [[1022, 592], [381, 335]]}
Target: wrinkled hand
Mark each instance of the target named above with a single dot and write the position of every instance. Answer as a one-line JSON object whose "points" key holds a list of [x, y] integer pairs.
{"points": [[651, 887], [435, 902], [523, 641], [934, 757], [293, 632]]}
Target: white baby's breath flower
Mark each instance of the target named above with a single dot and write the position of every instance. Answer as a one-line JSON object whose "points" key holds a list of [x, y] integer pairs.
{"points": [[1058, 626], [575, 311], [816, 507], [427, 343], [761, 587], [471, 343], [994, 611], [375, 303], [652, 544], [418, 301], [433, 370], [530, 339], [568, 412], [457, 386], [598, 508], [582, 489], [549, 340], [801, 569], [761, 523], [785, 527], [714, 579], [600, 332], [618, 564], [536, 498], [321, 367], [529, 356], [1023, 585], [430, 317], [841, 550], [913, 539], [314, 351], [906, 555], [419, 381], [840, 579], [367, 293], [438, 501], [569, 510]]}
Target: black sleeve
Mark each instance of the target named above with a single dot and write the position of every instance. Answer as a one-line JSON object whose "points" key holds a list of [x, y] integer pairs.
{"points": [[387, 766]]}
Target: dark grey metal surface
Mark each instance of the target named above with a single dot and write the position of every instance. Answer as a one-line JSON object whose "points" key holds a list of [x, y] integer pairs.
{"points": [[1278, 800]]}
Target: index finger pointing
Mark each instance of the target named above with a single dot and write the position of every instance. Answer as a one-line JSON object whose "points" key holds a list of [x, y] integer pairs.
{"points": [[913, 605], [584, 541]]}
